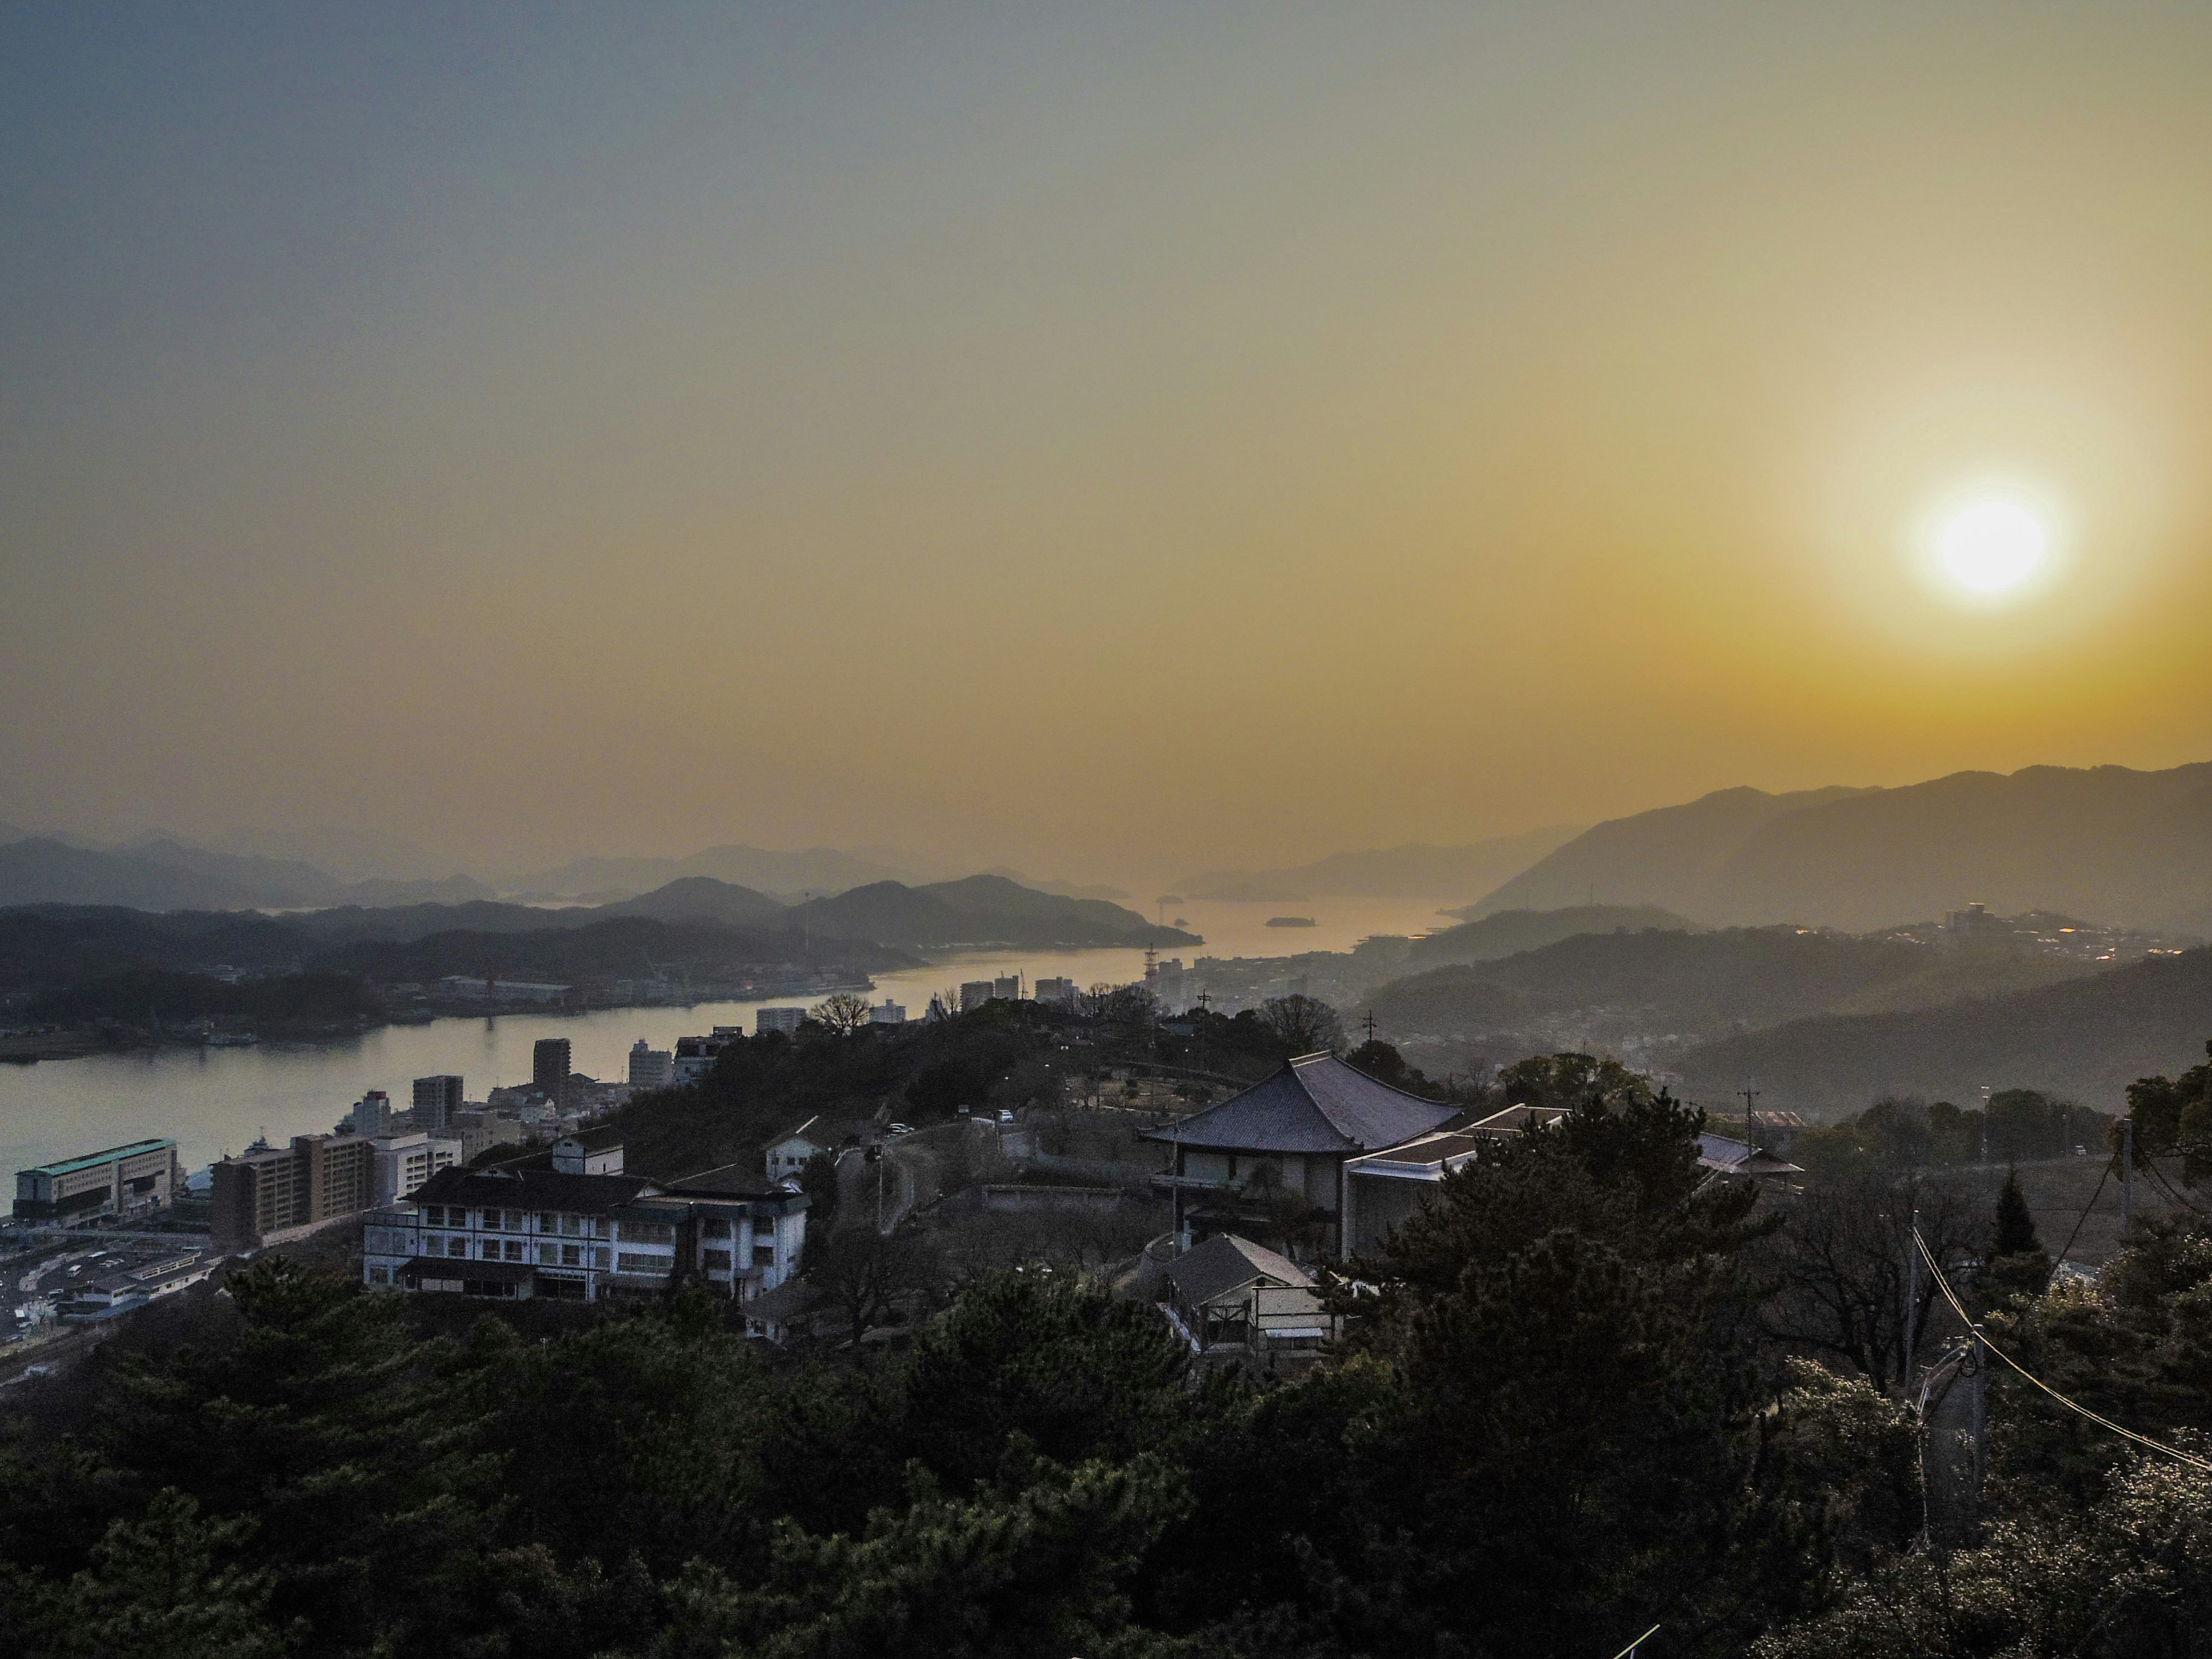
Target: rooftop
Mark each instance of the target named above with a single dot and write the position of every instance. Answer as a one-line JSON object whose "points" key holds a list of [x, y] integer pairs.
{"points": [[530, 1189], [1315, 1103], [92, 1160], [1225, 1263]]}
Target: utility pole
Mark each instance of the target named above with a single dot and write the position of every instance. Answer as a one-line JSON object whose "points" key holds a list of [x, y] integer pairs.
{"points": [[1370, 1023], [1751, 1117], [1911, 1296], [2127, 1173]]}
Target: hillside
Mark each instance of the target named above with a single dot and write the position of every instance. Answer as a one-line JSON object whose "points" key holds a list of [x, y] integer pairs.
{"points": [[2085, 1041], [2119, 847], [814, 869], [618, 947], [170, 875], [1509, 933], [1658, 989], [1416, 870], [701, 898], [979, 910]]}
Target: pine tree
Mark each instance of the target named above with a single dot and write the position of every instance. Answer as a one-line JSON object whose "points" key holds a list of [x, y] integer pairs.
{"points": [[2015, 1224]]}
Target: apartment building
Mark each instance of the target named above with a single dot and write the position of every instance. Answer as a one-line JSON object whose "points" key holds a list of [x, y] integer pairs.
{"points": [[269, 1189], [405, 1162], [651, 1068], [518, 1233], [437, 1100]]}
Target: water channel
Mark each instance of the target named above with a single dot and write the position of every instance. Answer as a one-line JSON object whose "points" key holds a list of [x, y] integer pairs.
{"points": [[216, 1101]]}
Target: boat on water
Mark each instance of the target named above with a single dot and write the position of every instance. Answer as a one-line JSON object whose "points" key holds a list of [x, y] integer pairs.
{"points": [[230, 1039], [1289, 921]]}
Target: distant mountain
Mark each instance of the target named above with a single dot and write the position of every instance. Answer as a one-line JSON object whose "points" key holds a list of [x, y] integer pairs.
{"points": [[701, 898], [816, 869], [1416, 870], [1064, 889], [1658, 990], [1509, 933], [979, 910], [162, 874], [2085, 1041], [612, 947], [47, 872], [2119, 847], [347, 852]]}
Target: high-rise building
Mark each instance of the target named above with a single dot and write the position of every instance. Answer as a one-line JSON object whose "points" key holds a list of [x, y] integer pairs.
{"points": [[372, 1115], [548, 1068], [651, 1068], [975, 993], [887, 1012], [1049, 989], [315, 1178], [406, 1162], [778, 1019], [1007, 988], [437, 1100]]}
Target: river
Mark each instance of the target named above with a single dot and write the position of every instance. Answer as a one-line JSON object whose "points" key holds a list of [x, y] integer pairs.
{"points": [[216, 1101]]}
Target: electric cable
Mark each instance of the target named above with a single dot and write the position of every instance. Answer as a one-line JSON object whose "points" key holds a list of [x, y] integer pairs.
{"points": [[2084, 1216], [2159, 1176], [1944, 1285]]}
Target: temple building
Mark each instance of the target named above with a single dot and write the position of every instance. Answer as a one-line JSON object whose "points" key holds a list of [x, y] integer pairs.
{"points": [[1291, 1133]]}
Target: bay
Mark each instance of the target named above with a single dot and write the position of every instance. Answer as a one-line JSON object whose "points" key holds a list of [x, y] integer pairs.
{"points": [[216, 1101]]}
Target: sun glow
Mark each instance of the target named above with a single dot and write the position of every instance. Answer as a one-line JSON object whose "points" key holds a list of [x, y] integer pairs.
{"points": [[1991, 546]]}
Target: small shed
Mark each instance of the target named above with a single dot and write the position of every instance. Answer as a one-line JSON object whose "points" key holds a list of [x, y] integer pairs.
{"points": [[1231, 1293]]}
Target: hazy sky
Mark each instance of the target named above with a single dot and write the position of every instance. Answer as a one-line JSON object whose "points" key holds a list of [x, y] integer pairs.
{"points": [[1104, 439]]}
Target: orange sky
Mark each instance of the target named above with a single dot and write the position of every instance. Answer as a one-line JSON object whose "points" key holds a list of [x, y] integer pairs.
{"points": [[1111, 443]]}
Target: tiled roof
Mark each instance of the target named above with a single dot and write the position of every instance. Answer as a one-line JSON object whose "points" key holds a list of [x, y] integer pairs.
{"points": [[1315, 1103], [532, 1189], [1727, 1153], [1225, 1263]]}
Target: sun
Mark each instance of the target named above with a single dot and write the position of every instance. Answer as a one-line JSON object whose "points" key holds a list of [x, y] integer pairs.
{"points": [[1992, 546]]}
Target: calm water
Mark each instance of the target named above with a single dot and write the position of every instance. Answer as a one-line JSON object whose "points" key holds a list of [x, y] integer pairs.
{"points": [[216, 1101]]}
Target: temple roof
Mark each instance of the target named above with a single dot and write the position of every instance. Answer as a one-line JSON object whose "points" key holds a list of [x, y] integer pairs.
{"points": [[1315, 1103]]}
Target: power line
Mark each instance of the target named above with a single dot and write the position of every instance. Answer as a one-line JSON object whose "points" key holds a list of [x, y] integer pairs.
{"points": [[2107, 1174], [2159, 1176], [1942, 1283]]}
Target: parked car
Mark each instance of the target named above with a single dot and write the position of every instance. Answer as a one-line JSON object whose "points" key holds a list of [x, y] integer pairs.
{"points": [[899, 1129], [1006, 1114]]}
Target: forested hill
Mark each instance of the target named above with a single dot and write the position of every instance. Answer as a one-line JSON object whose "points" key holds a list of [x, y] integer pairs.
{"points": [[695, 921], [1509, 933], [2120, 848], [1677, 986], [979, 910], [2085, 1041]]}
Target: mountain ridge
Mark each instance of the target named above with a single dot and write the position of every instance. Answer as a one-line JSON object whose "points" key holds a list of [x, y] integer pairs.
{"points": [[2110, 843]]}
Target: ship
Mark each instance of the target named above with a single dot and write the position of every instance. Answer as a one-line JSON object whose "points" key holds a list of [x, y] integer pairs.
{"points": [[1289, 921]]}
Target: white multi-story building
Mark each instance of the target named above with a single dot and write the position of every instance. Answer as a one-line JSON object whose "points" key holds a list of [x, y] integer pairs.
{"points": [[651, 1068], [778, 1019], [371, 1116], [518, 1233], [695, 1057], [405, 1162], [887, 1012]]}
